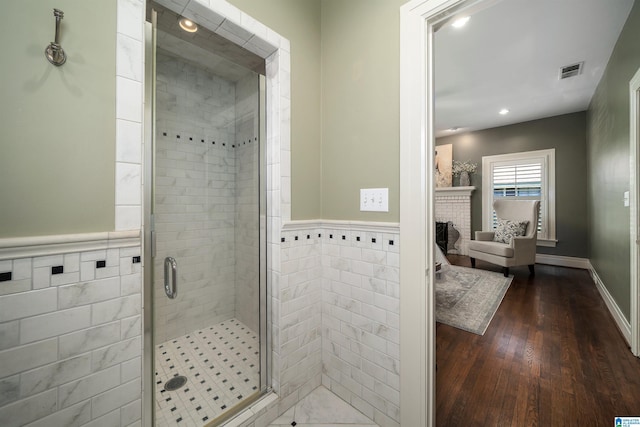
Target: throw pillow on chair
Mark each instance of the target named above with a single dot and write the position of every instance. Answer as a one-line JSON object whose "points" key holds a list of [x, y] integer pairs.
{"points": [[506, 230]]}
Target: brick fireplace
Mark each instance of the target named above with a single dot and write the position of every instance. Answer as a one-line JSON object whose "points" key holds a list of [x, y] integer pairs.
{"points": [[453, 204]]}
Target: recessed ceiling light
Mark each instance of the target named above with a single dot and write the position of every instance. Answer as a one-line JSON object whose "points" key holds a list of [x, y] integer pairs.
{"points": [[460, 22], [188, 25], [504, 111], [453, 129]]}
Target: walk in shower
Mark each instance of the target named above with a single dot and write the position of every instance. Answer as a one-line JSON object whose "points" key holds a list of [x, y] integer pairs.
{"points": [[205, 224]]}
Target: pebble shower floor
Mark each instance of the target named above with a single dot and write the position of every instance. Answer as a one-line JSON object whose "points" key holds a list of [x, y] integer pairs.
{"points": [[221, 364]]}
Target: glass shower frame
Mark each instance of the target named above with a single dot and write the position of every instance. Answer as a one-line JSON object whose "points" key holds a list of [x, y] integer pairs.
{"points": [[150, 241]]}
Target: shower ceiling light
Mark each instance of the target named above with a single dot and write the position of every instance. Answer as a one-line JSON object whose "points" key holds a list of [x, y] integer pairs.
{"points": [[460, 22], [188, 25]]}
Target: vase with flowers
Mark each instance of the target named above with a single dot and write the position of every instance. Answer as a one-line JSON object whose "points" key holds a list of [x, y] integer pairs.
{"points": [[463, 169]]}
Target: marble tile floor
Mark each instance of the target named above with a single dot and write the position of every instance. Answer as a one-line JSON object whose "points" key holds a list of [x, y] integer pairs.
{"points": [[221, 364], [322, 408]]}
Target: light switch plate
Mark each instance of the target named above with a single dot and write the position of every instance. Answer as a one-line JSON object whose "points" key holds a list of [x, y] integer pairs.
{"points": [[374, 199], [626, 199]]}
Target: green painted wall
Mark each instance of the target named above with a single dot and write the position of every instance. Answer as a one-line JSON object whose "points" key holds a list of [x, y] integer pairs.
{"points": [[567, 134], [608, 160], [299, 21], [58, 123], [360, 106], [345, 101]]}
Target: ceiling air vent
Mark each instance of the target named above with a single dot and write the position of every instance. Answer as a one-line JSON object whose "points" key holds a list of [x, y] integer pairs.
{"points": [[571, 70]]}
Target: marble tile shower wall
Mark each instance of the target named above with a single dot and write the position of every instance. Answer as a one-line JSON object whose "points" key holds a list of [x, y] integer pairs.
{"points": [[247, 219], [339, 317], [195, 196], [298, 307], [70, 339], [361, 321]]}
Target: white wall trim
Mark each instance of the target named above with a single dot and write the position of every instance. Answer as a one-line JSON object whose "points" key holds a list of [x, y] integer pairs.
{"points": [[618, 316], [634, 186], [563, 261], [366, 226], [417, 206], [547, 243], [547, 158], [26, 247]]}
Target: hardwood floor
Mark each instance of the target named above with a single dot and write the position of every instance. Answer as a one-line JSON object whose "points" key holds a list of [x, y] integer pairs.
{"points": [[552, 356]]}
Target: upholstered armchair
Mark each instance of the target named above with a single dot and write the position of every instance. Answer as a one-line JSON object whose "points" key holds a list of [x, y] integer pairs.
{"points": [[513, 242]]}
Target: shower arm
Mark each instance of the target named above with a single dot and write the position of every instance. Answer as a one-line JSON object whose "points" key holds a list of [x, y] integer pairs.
{"points": [[54, 52]]}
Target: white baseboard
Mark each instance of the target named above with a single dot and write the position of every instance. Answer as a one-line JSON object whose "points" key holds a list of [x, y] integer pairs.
{"points": [[563, 261], [623, 324]]}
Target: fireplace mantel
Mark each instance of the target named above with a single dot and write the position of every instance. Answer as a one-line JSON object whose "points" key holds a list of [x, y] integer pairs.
{"points": [[454, 191]]}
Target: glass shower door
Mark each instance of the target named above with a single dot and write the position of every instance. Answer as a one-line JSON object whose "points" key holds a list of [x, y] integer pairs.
{"points": [[207, 268]]}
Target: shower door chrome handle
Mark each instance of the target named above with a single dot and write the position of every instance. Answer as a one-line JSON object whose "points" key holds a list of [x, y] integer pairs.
{"points": [[170, 268]]}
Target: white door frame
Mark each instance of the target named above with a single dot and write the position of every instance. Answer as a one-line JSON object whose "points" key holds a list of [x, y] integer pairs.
{"points": [[417, 322], [417, 145], [634, 172]]}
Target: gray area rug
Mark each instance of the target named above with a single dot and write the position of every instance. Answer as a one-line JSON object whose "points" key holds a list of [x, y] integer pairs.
{"points": [[468, 298]]}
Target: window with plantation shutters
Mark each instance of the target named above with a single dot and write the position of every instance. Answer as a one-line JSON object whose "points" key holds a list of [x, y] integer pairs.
{"points": [[523, 176]]}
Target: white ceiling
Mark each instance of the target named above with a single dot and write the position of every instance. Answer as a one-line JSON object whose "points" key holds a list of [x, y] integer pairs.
{"points": [[509, 55]]}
